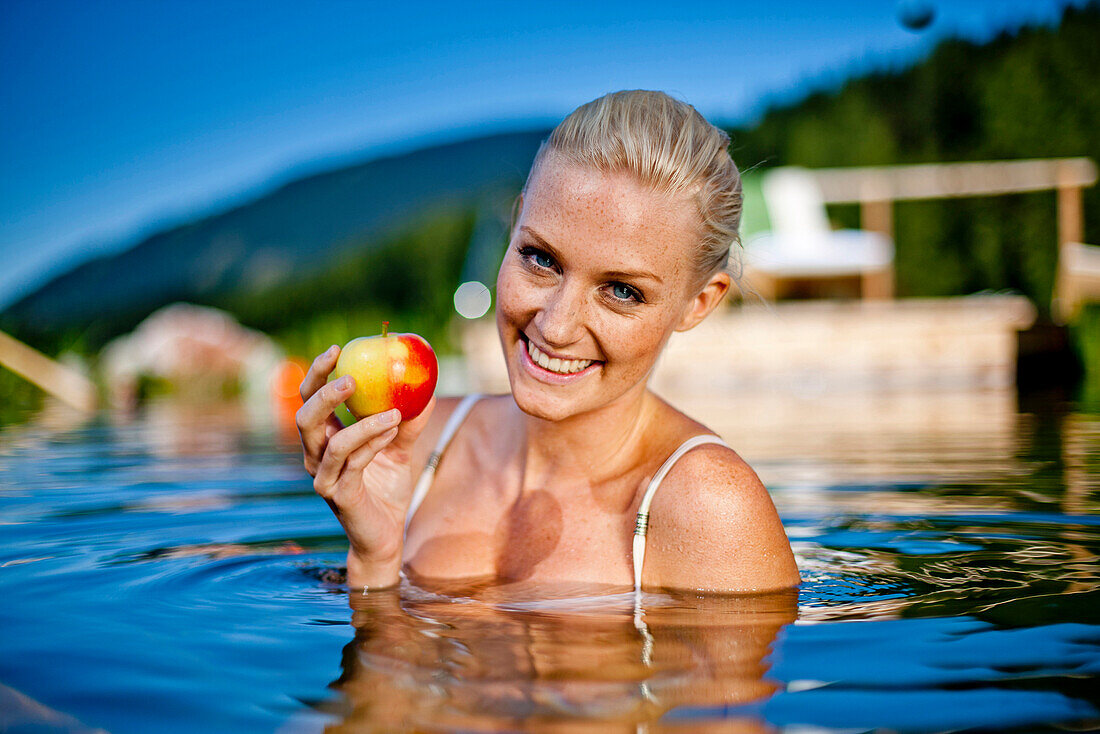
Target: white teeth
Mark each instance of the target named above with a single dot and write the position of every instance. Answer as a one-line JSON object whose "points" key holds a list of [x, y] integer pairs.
{"points": [[560, 366]]}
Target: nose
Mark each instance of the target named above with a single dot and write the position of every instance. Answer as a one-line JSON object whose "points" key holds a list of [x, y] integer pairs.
{"points": [[560, 320]]}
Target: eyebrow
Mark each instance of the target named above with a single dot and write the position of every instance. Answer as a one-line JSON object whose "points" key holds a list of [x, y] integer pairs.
{"points": [[624, 274]]}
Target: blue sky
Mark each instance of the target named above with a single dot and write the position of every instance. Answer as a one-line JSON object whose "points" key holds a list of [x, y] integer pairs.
{"points": [[123, 116]]}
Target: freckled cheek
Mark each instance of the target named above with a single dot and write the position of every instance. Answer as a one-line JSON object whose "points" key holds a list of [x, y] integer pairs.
{"points": [[629, 345], [516, 298]]}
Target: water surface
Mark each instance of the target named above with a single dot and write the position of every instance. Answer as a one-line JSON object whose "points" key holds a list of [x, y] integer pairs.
{"points": [[174, 571]]}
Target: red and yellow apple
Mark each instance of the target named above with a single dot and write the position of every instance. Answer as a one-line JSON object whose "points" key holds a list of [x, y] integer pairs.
{"points": [[390, 371]]}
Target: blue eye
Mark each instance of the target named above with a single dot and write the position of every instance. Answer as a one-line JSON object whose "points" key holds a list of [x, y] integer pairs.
{"points": [[623, 292], [537, 256]]}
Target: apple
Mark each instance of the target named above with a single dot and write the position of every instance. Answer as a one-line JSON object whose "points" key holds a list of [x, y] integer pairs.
{"points": [[390, 371]]}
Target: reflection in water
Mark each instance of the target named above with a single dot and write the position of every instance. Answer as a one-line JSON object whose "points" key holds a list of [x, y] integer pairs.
{"points": [[1081, 463], [504, 658], [844, 437], [949, 548]]}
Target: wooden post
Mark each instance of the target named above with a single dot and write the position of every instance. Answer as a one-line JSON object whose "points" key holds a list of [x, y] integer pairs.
{"points": [[877, 215], [1071, 213], [63, 383], [876, 204], [878, 284]]}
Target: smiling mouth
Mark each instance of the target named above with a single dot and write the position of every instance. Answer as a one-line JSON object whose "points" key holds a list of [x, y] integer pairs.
{"points": [[554, 364]]}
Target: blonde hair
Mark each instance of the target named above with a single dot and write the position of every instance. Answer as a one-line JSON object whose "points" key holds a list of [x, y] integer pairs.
{"points": [[667, 145]]}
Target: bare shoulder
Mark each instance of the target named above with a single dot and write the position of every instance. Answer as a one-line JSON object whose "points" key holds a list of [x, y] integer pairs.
{"points": [[714, 527]]}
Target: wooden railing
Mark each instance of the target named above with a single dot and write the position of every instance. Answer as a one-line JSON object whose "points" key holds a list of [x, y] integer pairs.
{"points": [[876, 188], [64, 383]]}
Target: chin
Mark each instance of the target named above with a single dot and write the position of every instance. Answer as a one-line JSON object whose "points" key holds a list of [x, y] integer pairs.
{"points": [[536, 399], [539, 405]]}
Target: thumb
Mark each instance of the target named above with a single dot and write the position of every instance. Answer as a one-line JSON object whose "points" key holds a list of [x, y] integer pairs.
{"points": [[409, 431]]}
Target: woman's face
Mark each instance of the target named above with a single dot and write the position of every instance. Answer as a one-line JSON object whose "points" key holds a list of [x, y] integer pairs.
{"points": [[598, 273]]}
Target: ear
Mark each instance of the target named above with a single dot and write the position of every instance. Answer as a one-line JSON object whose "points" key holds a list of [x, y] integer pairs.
{"points": [[705, 301]]}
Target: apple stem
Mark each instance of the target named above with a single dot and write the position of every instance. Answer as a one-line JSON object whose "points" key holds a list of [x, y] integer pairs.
{"points": [[385, 327]]}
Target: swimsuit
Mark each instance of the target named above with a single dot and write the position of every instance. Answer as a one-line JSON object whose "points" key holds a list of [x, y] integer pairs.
{"points": [[640, 526]]}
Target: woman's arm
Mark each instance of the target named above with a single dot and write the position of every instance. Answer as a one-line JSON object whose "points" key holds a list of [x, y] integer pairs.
{"points": [[363, 471], [713, 527]]}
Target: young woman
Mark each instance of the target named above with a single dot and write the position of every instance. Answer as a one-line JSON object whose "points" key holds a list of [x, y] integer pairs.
{"points": [[580, 474]]}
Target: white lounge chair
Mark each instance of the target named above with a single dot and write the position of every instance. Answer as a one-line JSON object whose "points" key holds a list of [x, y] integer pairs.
{"points": [[1077, 280], [787, 237]]}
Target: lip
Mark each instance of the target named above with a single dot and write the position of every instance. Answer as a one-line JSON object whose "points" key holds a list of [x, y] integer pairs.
{"points": [[544, 375]]}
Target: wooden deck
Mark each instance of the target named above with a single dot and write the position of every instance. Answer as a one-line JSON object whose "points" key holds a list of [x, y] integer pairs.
{"points": [[816, 347]]}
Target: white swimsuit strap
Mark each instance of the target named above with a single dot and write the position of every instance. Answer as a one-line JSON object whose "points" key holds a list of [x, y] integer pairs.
{"points": [[424, 483], [642, 523]]}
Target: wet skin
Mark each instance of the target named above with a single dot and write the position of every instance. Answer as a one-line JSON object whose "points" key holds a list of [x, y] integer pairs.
{"points": [[481, 665], [544, 484]]}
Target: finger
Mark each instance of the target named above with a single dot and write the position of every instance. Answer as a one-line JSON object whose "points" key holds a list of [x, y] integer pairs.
{"points": [[341, 445], [314, 380], [358, 459], [313, 460], [315, 419], [318, 372]]}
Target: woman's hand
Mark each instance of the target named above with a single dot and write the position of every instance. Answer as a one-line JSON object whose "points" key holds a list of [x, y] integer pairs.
{"points": [[363, 472]]}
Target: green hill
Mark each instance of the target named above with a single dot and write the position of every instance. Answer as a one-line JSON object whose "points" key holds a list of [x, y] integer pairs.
{"points": [[293, 251]]}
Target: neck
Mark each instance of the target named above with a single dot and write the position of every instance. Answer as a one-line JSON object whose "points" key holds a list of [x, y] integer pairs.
{"points": [[589, 447]]}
